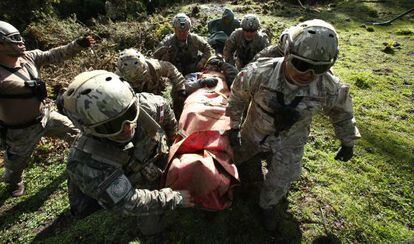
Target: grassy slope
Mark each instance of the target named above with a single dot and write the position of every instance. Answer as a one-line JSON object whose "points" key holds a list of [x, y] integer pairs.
{"points": [[369, 199]]}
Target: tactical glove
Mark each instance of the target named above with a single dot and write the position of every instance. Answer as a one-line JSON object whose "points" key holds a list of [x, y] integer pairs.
{"points": [[151, 172], [234, 137], [85, 41], [182, 94], [344, 153], [209, 82]]}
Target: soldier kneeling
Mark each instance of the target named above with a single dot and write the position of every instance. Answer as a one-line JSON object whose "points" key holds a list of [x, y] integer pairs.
{"points": [[121, 150]]}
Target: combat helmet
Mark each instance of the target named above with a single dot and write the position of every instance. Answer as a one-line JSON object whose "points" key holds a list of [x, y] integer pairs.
{"points": [[100, 103], [311, 45], [9, 33], [131, 65], [181, 21], [250, 22]]}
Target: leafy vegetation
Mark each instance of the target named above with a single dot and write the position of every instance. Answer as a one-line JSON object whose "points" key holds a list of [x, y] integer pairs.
{"points": [[368, 199]]}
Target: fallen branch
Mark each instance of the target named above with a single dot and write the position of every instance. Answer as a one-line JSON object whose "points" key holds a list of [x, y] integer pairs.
{"points": [[391, 20]]}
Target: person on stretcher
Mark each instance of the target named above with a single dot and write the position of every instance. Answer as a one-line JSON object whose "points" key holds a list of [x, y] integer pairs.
{"points": [[200, 160]]}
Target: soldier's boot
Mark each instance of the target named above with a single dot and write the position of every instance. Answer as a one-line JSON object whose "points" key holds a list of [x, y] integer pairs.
{"points": [[16, 189], [271, 219], [14, 181]]}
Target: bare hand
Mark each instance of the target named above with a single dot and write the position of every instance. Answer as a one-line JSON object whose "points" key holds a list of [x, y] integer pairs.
{"points": [[188, 200]]}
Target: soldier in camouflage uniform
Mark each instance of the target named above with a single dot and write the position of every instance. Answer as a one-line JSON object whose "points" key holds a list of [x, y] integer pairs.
{"points": [[281, 95], [150, 75], [187, 51], [121, 150], [245, 42], [23, 117]]}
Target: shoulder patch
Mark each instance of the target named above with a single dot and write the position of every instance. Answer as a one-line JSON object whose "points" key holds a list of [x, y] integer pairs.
{"points": [[119, 188]]}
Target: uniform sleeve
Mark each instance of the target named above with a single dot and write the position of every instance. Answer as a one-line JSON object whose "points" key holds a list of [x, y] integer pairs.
{"points": [[272, 51], [340, 112], [230, 72], [145, 202], [167, 120], [229, 48], [205, 49], [162, 50], [113, 190], [265, 41], [171, 72], [242, 91], [54, 55]]}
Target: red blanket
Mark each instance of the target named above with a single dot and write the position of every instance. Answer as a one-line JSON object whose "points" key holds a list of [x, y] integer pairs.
{"points": [[201, 161]]}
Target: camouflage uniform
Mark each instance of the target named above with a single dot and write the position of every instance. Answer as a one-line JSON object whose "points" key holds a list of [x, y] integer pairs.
{"points": [[244, 50], [154, 80], [111, 173], [184, 55], [273, 51], [25, 121], [254, 87]]}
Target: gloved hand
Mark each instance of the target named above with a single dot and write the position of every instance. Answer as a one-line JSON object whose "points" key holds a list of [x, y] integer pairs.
{"points": [[182, 94], [151, 172], [208, 82], [234, 137], [344, 153], [85, 41], [187, 200]]}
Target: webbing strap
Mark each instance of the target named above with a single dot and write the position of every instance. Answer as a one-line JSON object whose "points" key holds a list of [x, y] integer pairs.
{"points": [[16, 72]]}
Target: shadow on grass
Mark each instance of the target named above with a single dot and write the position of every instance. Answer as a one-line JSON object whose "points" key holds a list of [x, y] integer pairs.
{"points": [[31, 204], [390, 145], [242, 223], [60, 223], [327, 239]]}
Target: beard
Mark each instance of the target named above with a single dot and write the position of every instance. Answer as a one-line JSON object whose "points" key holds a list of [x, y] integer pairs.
{"points": [[13, 50]]}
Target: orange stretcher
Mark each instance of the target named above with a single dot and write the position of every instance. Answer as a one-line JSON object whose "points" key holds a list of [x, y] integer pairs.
{"points": [[201, 159]]}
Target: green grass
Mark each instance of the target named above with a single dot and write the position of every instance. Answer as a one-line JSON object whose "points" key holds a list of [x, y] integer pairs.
{"points": [[368, 199]]}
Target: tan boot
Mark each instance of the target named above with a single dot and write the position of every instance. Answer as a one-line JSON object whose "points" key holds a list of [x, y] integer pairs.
{"points": [[16, 190]]}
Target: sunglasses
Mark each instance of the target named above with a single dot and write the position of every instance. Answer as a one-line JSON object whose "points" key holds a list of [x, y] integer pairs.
{"points": [[249, 30], [304, 65], [114, 127], [14, 38]]}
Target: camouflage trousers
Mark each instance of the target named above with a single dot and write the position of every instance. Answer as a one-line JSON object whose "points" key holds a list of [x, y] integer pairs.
{"points": [[82, 205], [20, 143], [282, 167]]}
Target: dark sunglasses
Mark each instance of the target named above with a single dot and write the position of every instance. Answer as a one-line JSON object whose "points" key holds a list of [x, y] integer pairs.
{"points": [[115, 126], [304, 66], [249, 30], [15, 38]]}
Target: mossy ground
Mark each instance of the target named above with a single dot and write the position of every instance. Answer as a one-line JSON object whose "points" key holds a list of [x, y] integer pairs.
{"points": [[368, 199]]}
